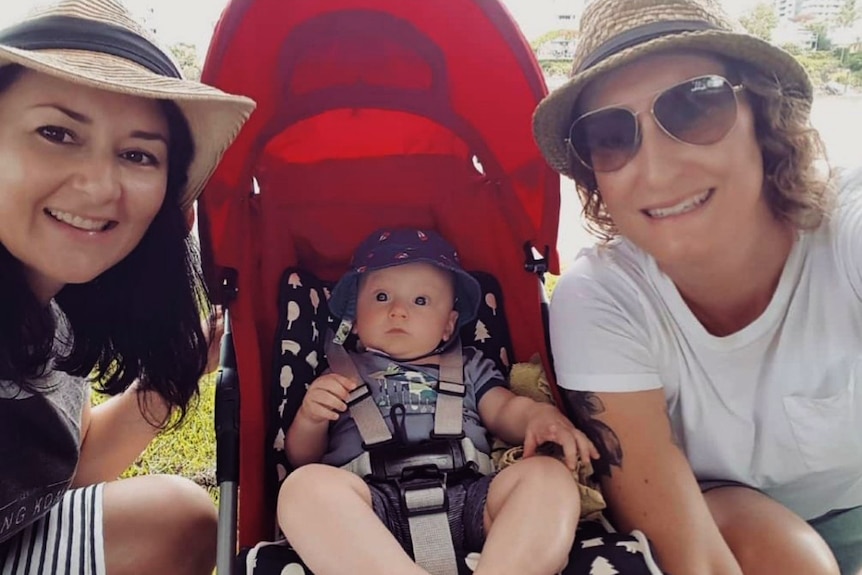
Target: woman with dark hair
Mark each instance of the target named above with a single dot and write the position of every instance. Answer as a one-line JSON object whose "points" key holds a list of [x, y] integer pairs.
{"points": [[103, 149], [710, 345]]}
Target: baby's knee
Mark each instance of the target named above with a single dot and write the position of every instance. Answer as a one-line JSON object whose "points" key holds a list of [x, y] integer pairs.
{"points": [[545, 470], [309, 483]]}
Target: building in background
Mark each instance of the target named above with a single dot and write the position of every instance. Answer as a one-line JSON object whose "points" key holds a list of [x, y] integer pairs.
{"points": [[786, 9], [819, 10], [539, 17], [809, 10]]}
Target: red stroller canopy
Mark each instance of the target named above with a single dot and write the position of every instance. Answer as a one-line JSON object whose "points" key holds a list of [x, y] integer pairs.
{"points": [[371, 113]]}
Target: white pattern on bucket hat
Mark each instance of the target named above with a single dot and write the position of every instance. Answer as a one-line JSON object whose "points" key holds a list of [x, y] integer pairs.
{"points": [[97, 43], [616, 32]]}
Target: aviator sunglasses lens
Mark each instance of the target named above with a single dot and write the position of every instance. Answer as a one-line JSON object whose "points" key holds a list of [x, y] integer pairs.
{"points": [[606, 139], [700, 111]]}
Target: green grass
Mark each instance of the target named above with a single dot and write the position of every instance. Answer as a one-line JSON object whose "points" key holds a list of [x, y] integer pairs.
{"points": [[188, 450]]}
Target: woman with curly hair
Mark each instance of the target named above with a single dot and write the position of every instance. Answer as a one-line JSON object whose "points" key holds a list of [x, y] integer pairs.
{"points": [[103, 149], [710, 344]]}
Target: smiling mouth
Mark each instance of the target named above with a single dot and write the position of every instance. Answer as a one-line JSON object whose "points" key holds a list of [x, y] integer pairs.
{"points": [[77, 222], [683, 207]]}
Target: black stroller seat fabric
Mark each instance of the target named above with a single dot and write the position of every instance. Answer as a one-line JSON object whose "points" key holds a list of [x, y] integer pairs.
{"points": [[304, 321]]}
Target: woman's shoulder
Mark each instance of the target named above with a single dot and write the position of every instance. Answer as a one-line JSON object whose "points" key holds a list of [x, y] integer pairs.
{"points": [[617, 267], [849, 185]]}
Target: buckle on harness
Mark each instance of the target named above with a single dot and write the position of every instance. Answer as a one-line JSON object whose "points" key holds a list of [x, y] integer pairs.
{"points": [[359, 393], [396, 461], [422, 491]]}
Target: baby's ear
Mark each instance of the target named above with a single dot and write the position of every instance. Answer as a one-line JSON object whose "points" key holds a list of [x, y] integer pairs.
{"points": [[451, 322]]}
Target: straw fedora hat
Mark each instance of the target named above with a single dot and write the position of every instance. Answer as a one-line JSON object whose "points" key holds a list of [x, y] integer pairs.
{"points": [[615, 32], [97, 43]]}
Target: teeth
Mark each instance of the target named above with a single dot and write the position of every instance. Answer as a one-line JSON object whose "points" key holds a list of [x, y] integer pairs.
{"points": [[681, 208], [85, 224]]}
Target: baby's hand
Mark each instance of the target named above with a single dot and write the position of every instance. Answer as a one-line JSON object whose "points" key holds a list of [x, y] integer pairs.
{"points": [[326, 398], [547, 424]]}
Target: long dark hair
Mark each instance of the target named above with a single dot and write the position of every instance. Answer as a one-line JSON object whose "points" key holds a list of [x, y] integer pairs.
{"points": [[139, 320]]}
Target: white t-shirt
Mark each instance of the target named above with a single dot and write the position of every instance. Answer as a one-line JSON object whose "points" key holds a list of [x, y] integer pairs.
{"points": [[776, 405]]}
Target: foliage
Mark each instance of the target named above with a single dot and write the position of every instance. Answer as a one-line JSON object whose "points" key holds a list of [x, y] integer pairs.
{"points": [[556, 67], [553, 35], [821, 32], [550, 283], [848, 15], [853, 62], [760, 21], [186, 56]]}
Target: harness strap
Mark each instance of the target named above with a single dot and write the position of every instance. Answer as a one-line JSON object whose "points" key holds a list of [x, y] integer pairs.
{"points": [[449, 410], [362, 466], [365, 413], [429, 529]]}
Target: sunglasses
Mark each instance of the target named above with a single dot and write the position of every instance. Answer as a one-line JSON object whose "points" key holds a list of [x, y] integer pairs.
{"points": [[700, 111]]}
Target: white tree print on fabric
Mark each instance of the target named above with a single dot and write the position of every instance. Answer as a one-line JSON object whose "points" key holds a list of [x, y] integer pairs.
{"points": [[602, 566], [294, 281], [481, 333], [315, 299], [293, 569], [278, 442]]}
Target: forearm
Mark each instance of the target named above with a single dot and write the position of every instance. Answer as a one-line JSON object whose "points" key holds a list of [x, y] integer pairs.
{"points": [[116, 433], [648, 482], [306, 440], [510, 414], [669, 508]]}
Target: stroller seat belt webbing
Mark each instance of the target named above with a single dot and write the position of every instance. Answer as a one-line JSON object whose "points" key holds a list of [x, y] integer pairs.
{"points": [[425, 501]]}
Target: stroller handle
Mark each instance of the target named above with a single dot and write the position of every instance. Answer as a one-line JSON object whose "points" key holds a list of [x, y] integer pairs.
{"points": [[227, 409]]}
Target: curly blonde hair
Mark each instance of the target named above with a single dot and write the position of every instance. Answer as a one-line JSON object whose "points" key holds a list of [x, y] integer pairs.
{"points": [[798, 189]]}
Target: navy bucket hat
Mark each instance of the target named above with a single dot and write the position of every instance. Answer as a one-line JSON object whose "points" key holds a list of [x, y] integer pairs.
{"points": [[388, 248]]}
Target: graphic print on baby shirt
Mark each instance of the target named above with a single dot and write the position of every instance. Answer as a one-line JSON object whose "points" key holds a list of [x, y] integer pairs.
{"points": [[397, 384]]}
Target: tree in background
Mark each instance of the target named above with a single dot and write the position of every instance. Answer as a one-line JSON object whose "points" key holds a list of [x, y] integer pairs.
{"points": [[760, 21], [186, 56], [553, 66], [821, 32], [848, 15]]}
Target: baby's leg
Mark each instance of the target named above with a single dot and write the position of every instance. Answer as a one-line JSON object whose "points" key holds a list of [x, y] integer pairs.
{"points": [[326, 515], [531, 516]]}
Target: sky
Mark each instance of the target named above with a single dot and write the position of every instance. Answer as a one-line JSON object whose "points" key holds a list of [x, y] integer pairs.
{"points": [[192, 21]]}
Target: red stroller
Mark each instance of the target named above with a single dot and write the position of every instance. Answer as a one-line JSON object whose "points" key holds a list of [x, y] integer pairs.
{"points": [[370, 113]]}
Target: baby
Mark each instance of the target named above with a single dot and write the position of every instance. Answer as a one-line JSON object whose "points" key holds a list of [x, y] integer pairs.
{"points": [[406, 297]]}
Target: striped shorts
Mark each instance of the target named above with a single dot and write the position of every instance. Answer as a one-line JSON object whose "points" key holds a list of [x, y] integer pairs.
{"points": [[68, 540]]}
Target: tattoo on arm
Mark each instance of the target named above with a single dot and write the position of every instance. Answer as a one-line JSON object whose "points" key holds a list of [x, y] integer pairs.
{"points": [[583, 407]]}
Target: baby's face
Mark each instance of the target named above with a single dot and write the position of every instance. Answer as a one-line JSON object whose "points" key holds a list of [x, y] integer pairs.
{"points": [[405, 311]]}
